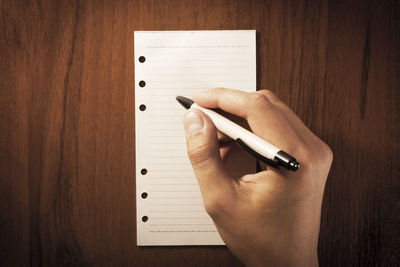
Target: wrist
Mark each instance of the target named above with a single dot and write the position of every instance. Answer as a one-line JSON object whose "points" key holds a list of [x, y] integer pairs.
{"points": [[288, 261], [286, 258]]}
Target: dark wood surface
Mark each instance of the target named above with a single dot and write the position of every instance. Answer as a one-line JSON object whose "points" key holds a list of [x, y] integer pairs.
{"points": [[67, 141]]}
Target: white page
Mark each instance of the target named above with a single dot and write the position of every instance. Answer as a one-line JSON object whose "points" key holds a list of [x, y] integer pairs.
{"points": [[179, 63]]}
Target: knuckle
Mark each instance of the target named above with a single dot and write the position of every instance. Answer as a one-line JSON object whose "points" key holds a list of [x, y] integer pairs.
{"points": [[200, 153], [214, 204], [270, 95], [258, 100]]}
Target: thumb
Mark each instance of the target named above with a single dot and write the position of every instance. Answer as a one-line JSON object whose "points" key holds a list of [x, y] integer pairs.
{"points": [[204, 155]]}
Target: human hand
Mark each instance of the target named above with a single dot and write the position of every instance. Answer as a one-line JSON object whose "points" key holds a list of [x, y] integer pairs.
{"points": [[270, 218]]}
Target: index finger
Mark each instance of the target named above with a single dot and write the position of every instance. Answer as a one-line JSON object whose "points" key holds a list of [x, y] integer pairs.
{"points": [[263, 117]]}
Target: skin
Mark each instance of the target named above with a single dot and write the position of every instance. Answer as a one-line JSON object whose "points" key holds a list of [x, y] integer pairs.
{"points": [[270, 218]]}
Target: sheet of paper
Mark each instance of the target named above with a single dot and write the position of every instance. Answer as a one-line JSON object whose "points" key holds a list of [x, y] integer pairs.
{"points": [[169, 63]]}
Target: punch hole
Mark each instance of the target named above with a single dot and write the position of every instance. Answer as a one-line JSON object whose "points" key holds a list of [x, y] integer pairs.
{"points": [[145, 218], [142, 83], [144, 195], [142, 107], [142, 59], [143, 171]]}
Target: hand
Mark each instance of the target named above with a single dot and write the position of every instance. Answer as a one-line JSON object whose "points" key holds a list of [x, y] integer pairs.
{"points": [[270, 218]]}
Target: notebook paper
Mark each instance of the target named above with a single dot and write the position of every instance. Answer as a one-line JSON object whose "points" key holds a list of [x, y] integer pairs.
{"points": [[169, 63]]}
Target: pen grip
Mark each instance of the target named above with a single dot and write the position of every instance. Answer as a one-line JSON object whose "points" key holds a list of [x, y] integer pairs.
{"points": [[235, 131]]}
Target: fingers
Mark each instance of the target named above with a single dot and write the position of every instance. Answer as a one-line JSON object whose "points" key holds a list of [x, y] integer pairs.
{"points": [[264, 118], [231, 101], [203, 152]]}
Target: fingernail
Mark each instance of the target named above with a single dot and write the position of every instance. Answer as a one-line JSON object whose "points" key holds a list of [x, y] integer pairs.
{"points": [[192, 122]]}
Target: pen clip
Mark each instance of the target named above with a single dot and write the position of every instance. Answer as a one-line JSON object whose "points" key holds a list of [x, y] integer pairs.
{"points": [[257, 155]]}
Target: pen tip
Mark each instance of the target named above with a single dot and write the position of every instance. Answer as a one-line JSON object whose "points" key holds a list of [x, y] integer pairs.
{"points": [[184, 101]]}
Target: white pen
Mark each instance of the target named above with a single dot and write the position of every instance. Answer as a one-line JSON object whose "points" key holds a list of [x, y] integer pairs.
{"points": [[254, 145]]}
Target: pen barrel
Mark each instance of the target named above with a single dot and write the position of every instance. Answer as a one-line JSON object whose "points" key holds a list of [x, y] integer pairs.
{"points": [[235, 131]]}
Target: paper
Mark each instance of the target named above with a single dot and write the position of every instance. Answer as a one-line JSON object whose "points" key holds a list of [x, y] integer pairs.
{"points": [[169, 63]]}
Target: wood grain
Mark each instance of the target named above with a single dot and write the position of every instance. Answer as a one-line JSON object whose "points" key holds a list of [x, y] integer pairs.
{"points": [[67, 184]]}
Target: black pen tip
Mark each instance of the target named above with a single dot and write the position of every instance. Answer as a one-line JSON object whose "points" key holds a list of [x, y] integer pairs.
{"points": [[184, 101]]}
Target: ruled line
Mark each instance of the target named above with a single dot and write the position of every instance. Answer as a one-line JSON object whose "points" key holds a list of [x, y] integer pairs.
{"points": [[179, 217], [198, 46], [188, 60], [149, 55], [183, 231], [167, 197], [196, 204], [180, 224], [176, 211], [215, 67], [197, 81]]}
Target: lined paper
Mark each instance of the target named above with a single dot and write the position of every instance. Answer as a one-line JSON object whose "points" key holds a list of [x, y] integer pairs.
{"points": [[169, 205]]}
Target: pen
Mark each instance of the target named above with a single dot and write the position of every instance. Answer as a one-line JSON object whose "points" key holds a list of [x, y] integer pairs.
{"points": [[254, 145]]}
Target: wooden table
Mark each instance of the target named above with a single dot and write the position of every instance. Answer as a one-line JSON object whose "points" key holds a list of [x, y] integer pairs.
{"points": [[67, 146]]}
